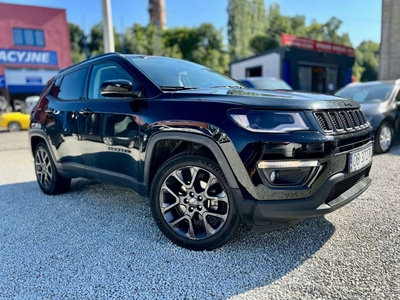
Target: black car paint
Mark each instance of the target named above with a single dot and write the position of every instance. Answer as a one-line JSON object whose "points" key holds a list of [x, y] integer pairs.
{"points": [[199, 116], [378, 112]]}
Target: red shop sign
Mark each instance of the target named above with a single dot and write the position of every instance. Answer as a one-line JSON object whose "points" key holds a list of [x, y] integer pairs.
{"points": [[304, 43]]}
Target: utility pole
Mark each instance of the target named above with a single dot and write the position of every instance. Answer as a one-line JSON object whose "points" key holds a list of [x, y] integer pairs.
{"points": [[389, 55], [158, 19], [108, 30]]}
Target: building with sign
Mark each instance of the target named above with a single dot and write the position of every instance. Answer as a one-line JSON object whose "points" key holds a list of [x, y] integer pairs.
{"points": [[34, 46], [304, 64]]}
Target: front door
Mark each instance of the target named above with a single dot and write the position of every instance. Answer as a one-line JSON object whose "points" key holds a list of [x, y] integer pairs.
{"points": [[109, 129]]}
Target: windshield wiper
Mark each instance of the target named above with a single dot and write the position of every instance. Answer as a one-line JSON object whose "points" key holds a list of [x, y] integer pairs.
{"points": [[176, 88], [227, 86]]}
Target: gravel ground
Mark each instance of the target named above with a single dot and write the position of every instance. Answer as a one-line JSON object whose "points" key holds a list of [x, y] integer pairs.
{"points": [[99, 242]]}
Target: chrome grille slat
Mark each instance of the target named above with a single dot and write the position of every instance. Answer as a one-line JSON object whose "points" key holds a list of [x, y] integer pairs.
{"points": [[322, 121], [357, 121], [339, 121], [335, 120], [345, 119]]}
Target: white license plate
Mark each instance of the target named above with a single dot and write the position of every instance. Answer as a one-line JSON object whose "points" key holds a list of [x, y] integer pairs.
{"points": [[359, 159]]}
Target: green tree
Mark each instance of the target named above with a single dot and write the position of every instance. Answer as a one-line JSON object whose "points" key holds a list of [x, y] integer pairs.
{"points": [[367, 61], [246, 19], [210, 49], [76, 36], [96, 42], [259, 15], [330, 32], [149, 40], [203, 45], [278, 24], [143, 40], [186, 39]]}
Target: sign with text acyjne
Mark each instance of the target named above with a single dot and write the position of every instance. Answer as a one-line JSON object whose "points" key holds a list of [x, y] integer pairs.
{"points": [[28, 57]]}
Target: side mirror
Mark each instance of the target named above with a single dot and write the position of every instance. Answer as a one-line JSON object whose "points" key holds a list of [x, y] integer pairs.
{"points": [[118, 88]]}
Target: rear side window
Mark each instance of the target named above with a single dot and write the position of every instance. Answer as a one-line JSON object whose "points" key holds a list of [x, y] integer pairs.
{"points": [[70, 87], [55, 90]]}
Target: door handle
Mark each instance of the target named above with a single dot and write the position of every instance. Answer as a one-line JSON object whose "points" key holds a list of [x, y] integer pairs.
{"points": [[86, 111]]}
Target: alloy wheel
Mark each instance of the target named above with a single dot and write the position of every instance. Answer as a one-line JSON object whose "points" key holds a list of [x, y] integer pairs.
{"points": [[385, 138], [194, 202], [44, 170]]}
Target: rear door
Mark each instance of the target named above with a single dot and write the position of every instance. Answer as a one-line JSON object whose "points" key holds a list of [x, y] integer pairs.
{"points": [[60, 118], [109, 128]]}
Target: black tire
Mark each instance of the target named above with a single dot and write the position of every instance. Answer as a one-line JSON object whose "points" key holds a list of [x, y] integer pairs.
{"points": [[192, 203], [48, 178], [14, 126], [384, 138]]}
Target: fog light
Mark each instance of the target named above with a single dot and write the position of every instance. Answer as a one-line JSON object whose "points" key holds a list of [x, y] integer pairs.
{"points": [[296, 173], [272, 176]]}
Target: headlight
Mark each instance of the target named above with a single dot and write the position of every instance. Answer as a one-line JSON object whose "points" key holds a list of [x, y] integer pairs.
{"points": [[269, 121]]}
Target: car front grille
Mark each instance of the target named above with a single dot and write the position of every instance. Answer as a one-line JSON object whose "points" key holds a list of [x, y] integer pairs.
{"points": [[341, 121]]}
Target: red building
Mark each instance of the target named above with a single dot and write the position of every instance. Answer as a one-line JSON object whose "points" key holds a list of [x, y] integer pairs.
{"points": [[34, 46]]}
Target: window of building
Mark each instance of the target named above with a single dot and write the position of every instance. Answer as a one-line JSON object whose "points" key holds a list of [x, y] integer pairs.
{"points": [[71, 86], [254, 72], [28, 37]]}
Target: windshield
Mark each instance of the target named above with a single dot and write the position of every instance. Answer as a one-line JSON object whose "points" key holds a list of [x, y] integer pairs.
{"points": [[271, 84], [367, 93], [170, 73]]}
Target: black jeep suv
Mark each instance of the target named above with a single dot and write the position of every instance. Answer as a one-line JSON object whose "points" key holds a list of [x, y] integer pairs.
{"points": [[209, 152]]}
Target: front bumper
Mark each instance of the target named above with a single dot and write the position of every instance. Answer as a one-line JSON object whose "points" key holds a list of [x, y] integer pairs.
{"points": [[333, 194]]}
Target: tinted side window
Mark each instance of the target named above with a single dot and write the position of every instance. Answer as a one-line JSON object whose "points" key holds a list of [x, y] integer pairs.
{"points": [[103, 72], [55, 90], [72, 84]]}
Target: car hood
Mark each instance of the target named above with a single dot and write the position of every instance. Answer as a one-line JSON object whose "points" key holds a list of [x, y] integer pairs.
{"points": [[267, 98]]}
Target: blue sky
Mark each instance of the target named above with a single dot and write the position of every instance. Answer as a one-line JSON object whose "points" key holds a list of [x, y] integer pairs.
{"points": [[361, 18]]}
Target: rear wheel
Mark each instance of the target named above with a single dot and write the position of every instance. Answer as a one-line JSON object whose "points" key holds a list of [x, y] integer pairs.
{"points": [[383, 138], [14, 126], [192, 203], [48, 178]]}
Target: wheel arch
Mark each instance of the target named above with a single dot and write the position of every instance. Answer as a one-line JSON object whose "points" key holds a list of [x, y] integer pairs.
{"points": [[203, 143], [36, 140], [36, 137], [388, 119]]}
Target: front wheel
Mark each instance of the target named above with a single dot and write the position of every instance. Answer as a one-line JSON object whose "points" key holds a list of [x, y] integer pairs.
{"points": [[48, 178], [384, 138], [192, 203], [13, 127]]}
